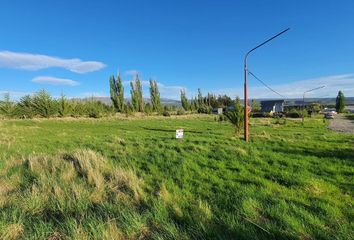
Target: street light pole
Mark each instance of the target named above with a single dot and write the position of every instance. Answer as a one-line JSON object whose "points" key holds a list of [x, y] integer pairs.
{"points": [[245, 87], [303, 100]]}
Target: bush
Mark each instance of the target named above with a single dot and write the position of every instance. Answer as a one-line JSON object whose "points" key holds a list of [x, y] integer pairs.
{"points": [[293, 114], [7, 107], [222, 118], [260, 115], [43, 105], [24, 108], [166, 113], [180, 111], [148, 109], [78, 109], [204, 109]]}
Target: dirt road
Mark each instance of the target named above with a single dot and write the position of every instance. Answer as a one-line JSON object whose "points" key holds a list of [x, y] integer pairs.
{"points": [[342, 124]]}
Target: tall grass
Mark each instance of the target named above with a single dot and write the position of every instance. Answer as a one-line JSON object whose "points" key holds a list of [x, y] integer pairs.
{"points": [[74, 180]]}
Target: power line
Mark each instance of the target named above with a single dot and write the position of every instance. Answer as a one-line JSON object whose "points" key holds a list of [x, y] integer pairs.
{"points": [[271, 89]]}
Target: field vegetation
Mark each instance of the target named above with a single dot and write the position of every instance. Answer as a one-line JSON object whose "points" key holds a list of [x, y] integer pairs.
{"points": [[129, 178]]}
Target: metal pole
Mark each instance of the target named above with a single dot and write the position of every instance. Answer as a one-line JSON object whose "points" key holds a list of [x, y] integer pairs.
{"points": [[246, 83], [303, 107], [245, 87], [303, 100]]}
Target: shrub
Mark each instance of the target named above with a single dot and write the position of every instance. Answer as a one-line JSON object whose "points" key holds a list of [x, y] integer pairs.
{"points": [[293, 114], [148, 109], [236, 116], [204, 109], [95, 109], [7, 107], [43, 105], [222, 118], [180, 111], [166, 113], [260, 115], [78, 109], [24, 108], [64, 107]]}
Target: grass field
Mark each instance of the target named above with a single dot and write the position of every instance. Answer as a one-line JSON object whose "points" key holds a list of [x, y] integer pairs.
{"points": [[130, 179]]}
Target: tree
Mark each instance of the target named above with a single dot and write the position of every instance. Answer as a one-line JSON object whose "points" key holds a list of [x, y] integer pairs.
{"points": [[137, 95], [24, 108], [155, 96], [185, 104], [340, 102], [255, 105], [236, 116], [7, 107], [43, 104], [224, 101], [200, 98], [315, 107], [117, 93], [64, 107], [134, 97]]}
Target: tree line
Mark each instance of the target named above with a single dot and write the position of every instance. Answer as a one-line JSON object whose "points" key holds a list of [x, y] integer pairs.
{"points": [[198, 104], [42, 104]]}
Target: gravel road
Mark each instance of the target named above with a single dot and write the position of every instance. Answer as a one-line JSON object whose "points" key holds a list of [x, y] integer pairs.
{"points": [[341, 124]]}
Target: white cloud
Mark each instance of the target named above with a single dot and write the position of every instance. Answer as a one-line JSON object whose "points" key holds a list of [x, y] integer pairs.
{"points": [[131, 73], [54, 81], [28, 61], [296, 89]]}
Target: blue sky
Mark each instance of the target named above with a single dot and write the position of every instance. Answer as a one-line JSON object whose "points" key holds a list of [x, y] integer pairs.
{"points": [[74, 46]]}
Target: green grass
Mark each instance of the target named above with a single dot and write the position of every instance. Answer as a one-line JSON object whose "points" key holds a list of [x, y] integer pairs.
{"points": [[130, 179]]}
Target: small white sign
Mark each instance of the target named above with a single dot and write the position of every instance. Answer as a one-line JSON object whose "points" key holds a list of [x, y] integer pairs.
{"points": [[179, 133]]}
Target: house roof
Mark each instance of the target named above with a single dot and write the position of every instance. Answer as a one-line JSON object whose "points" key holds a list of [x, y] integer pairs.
{"points": [[267, 106]]}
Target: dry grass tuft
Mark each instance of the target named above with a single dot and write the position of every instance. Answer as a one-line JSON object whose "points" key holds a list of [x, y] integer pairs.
{"points": [[66, 184], [12, 232], [112, 232], [240, 152], [205, 209], [126, 181], [80, 234], [164, 194]]}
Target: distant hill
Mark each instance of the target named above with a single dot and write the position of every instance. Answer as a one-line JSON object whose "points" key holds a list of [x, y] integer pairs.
{"points": [[322, 101]]}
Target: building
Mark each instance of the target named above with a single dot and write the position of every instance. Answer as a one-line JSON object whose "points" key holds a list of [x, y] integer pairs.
{"points": [[272, 106], [217, 111]]}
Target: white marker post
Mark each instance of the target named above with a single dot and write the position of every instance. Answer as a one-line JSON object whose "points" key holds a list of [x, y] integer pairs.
{"points": [[179, 133]]}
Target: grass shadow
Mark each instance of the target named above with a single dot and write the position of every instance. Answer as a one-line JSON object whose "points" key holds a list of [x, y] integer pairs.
{"points": [[350, 117], [343, 154]]}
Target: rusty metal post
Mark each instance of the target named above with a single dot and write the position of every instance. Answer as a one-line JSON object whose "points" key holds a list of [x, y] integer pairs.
{"points": [[245, 87], [246, 83]]}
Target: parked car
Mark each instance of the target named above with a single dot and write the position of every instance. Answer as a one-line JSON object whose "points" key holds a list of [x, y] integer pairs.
{"points": [[329, 116], [329, 111]]}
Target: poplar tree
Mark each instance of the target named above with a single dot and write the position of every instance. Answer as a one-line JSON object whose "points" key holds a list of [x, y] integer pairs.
{"points": [[134, 96], [184, 100], [155, 96], [137, 95], [120, 91], [200, 98], [117, 93]]}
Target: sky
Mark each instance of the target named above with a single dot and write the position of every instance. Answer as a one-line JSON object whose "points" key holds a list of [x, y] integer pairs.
{"points": [[73, 47]]}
